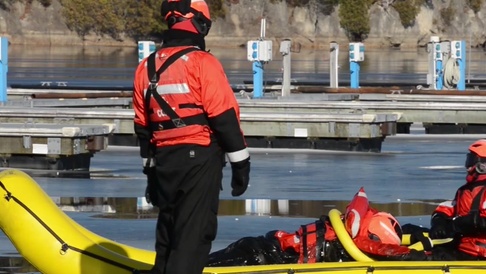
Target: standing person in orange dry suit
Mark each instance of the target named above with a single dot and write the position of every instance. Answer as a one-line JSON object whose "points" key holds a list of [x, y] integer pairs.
{"points": [[186, 118], [464, 218]]}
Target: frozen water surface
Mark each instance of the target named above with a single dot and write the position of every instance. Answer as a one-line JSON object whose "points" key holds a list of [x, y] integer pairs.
{"points": [[288, 188]]}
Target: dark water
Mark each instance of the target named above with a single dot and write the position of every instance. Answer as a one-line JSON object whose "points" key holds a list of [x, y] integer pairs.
{"points": [[112, 67], [409, 177]]}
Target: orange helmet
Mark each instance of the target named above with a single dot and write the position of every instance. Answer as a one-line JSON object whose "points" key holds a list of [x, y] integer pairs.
{"points": [[383, 227], [477, 156], [197, 11]]}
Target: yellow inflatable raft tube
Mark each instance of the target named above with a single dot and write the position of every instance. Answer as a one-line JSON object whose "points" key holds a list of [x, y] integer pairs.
{"points": [[55, 244]]}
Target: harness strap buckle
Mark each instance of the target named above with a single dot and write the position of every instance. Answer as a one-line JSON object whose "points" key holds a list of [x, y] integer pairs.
{"points": [[153, 86], [178, 122]]}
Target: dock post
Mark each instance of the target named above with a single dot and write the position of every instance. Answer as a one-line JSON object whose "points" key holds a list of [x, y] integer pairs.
{"points": [[3, 69], [334, 65], [458, 52], [253, 53], [431, 62], [257, 79], [435, 77], [356, 54], [439, 69], [354, 70], [285, 51], [145, 48], [259, 52], [260, 207]]}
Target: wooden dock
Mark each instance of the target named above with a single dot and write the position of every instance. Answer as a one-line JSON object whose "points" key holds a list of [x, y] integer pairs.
{"points": [[52, 146], [333, 121], [267, 129]]}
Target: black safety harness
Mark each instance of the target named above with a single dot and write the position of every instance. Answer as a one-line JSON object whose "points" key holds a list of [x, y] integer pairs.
{"points": [[319, 231], [154, 76], [475, 207], [476, 202]]}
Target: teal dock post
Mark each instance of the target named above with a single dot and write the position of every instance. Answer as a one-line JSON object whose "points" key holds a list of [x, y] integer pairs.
{"points": [[356, 55], [354, 71], [3, 69], [257, 79], [259, 52], [145, 48], [439, 72], [458, 52], [435, 77]]}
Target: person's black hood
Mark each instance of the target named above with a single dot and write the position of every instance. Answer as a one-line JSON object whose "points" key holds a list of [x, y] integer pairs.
{"points": [[175, 38]]}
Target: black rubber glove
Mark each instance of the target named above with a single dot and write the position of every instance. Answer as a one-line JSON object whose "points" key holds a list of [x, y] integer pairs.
{"points": [[151, 189], [420, 237], [415, 255], [240, 176], [470, 224], [442, 228]]}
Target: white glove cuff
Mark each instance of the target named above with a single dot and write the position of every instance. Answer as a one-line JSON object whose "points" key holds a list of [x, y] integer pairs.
{"points": [[238, 156]]}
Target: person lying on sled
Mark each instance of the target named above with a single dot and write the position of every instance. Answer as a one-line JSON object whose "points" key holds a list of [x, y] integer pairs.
{"points": [[313, 242], [464, 218], [377, 234]]}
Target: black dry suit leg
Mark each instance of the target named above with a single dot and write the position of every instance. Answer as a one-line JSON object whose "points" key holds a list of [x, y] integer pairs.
{"points": [[189, 178]]}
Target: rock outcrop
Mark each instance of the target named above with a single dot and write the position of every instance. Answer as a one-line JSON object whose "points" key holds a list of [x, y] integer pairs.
{"points": [[306, 26]]}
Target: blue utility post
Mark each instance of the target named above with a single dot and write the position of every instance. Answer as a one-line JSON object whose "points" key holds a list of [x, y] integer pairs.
{"points": [[145, 48], [354, 71], [356, 55], [257, 72], [458, 52], [259, 53], [257, 79], [3, 69], [439, 78], [438, 56]]}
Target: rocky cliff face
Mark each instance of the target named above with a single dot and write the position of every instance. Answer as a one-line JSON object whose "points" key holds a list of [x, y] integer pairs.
{"points": [[307, 27]]}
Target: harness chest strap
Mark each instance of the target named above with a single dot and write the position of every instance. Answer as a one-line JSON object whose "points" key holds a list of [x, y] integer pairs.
{"points": [[154, 77], [476, 204], [312, 242]]}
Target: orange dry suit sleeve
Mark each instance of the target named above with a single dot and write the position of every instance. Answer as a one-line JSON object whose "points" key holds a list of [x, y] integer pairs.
{"points": [[141, 122], [393, 252], [222, 109]]}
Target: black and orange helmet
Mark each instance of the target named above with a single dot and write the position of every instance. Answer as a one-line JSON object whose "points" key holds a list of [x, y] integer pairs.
{"points": [[477, 156], [174, 11]]}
